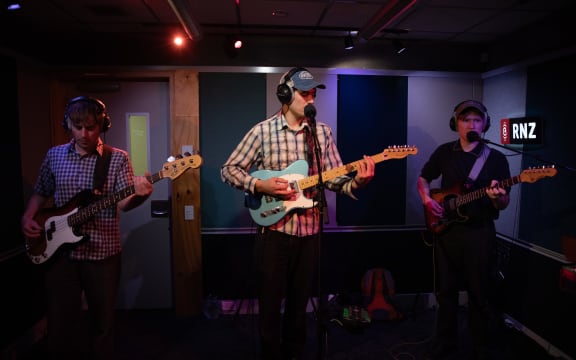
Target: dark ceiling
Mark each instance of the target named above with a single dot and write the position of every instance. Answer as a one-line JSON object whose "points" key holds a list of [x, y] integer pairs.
{"points": [[458, 35]]}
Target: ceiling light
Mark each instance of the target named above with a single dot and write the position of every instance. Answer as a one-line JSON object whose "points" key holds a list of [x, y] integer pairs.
{"points": [[13, 5], [178, 41], [348, 42], [399, 46], [233, 45]]}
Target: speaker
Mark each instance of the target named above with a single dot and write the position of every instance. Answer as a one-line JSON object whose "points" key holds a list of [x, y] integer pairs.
{"points": [[470, 104], [285, 89], [100, 111]]}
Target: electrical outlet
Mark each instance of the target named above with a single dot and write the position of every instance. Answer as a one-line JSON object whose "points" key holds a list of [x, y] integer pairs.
{"points": [[187, 149], [188, 212]]}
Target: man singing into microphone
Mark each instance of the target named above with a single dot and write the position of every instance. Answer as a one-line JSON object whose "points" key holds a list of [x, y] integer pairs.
{"points": [[286, 251], [465, 238]]}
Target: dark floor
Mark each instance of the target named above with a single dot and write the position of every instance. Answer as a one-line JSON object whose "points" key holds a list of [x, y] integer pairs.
{"points": [[163, 335]]}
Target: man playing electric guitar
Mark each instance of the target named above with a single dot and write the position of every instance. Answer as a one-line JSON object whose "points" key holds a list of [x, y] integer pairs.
{"points": [[465, 252], [286, 250]]}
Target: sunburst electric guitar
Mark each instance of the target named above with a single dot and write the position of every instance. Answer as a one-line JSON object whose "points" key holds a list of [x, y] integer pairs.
{"points": [[267, 210], [60, 225], [452, 201]]}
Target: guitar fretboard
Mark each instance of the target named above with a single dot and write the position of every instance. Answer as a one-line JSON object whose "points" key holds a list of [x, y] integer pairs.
{"points": [[477, 194], [86, 213], [395, 152]]}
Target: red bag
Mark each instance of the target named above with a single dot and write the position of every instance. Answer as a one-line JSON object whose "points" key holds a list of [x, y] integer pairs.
{"points": [[378, 291]]}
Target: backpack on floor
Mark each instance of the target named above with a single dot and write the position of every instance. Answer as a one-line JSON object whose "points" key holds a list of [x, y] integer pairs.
{"points": [[378, 292]]}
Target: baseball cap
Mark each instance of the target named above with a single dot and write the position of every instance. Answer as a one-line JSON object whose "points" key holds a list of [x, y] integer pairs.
{"points": [[469, 104], [303, 80]]}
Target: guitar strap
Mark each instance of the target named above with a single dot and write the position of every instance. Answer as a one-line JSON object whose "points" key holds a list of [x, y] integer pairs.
{"points": [[477, 167], [101, 169]]}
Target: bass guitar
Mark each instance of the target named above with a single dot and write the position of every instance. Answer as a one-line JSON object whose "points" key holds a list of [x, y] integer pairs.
{"points": [[267, 210], [61, 224], [452, 200]]}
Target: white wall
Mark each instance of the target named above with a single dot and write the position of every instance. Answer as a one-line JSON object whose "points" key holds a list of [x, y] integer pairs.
{"points": [[431, 102]]}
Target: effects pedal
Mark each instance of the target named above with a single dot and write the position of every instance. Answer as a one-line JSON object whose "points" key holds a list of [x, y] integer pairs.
{"points": [[355, 318]]}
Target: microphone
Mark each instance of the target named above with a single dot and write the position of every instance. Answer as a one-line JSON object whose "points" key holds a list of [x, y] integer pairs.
{"points": [[473, 136], [310, 113]]}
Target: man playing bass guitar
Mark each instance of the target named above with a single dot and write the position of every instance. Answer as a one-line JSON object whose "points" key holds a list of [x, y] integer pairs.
{"points": [[92, 266]]}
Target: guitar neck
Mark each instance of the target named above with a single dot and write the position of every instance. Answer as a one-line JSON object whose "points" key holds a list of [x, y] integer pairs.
{"points": [[477, 194], [85, 213], [334, 173]]}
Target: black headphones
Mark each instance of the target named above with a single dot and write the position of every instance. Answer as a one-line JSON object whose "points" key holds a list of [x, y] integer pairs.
{"points": [[466, 104], [285, 89], [100, 112]]}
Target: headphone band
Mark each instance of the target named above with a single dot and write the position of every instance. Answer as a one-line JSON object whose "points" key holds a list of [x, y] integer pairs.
{"points": [[100, 112]]}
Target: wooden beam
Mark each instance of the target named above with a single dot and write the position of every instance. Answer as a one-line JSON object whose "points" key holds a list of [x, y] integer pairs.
{"points": [[186, 235]]}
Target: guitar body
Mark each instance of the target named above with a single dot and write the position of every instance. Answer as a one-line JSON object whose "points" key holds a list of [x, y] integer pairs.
{"points": [[452, 214], [57, 231], [268, 210], [452, 201], [61, 224]]}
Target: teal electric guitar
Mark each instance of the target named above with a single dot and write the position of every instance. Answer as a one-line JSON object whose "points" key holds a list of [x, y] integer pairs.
{"points": [[267, 210]]}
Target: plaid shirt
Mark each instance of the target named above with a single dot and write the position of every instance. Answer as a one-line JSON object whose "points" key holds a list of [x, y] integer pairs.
{"points": [[64, 174], [272, 145]]}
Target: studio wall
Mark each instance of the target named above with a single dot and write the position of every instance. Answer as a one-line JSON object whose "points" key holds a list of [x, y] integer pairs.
{"points": [[367, 112], [549, 206]]}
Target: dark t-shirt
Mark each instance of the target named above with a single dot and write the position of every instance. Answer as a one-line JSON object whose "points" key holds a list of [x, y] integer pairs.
{"points": [[453, 164]]}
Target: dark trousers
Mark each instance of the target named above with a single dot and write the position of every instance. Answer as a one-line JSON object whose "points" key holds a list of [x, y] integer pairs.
{"points": [[73, 332], [465, 260], [285, 267]]}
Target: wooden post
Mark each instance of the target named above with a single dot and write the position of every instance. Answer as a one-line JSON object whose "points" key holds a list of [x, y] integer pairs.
{"points": [[186, 234]]}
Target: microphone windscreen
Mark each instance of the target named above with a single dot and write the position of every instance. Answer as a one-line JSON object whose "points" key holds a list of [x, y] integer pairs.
{"points": [[310, 111], [473, 136]]}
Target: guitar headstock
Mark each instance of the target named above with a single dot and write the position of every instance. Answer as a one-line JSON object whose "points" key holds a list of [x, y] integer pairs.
{"points": [[400, 151], [176, 166], [534, 174]]}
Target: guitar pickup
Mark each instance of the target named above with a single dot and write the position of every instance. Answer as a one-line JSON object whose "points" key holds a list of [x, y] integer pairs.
{"points": [[272, 211], [50, 230]]}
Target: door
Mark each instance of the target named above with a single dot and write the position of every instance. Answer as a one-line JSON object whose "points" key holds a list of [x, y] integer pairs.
{"points": [[146, 281]]}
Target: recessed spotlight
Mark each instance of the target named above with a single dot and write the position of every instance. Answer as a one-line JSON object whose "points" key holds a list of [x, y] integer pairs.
{"points": [[348, 42], [178, 40]]}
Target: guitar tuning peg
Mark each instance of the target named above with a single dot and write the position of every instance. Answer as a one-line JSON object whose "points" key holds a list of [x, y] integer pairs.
{"points": [[170, 158]]}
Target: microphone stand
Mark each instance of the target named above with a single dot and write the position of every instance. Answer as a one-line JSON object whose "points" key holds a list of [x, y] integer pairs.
{"points": [[322, 206], [310, 111], [473, 137]]}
